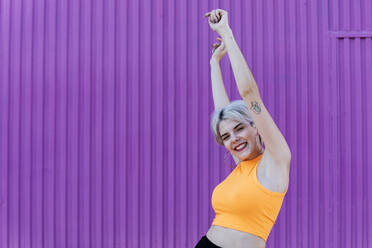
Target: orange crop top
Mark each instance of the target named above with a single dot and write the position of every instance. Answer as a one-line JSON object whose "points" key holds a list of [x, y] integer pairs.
{"points": [[243, 204]]}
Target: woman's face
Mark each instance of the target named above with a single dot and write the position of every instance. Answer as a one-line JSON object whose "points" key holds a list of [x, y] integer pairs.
{"points": [[239, 139]]}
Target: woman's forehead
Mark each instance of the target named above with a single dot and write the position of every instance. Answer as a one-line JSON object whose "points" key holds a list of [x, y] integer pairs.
{"points": [[229, 124]]}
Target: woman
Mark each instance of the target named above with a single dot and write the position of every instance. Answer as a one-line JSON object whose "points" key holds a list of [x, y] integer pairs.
{"points": [[248, 201]]}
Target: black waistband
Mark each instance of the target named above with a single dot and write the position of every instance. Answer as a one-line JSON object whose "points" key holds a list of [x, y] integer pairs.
{"points": [[204, 242]]}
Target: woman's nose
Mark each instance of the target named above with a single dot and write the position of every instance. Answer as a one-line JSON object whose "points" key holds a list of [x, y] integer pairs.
{"points": [[234, 138]]}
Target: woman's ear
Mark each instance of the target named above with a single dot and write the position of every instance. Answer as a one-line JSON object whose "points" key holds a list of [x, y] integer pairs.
{"points": [[254, 126]]}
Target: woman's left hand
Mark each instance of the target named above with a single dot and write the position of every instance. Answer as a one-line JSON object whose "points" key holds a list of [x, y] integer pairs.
{"points": [[219, 50]]}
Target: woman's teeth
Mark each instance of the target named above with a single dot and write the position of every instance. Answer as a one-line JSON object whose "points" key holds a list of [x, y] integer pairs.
{"points": [[241, 147]]}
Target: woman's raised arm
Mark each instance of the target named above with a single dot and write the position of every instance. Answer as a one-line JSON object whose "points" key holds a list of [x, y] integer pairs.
{"points": [[274, 141], [220, 97]]}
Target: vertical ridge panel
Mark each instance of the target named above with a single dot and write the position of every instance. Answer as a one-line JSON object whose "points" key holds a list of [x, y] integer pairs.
{"points": [[4, 105], [97, 168], [193, 129], [121, 187], [291, 89], [25, 123], [145, 124], [356, 139], [134, 162], [181, 137], [14, 124], [301, 115], [84, 124], [170, 76], [37, 125], [73, 119], [108, 123], [60, 197], [367, 141], [204, 95], [49, 123]]}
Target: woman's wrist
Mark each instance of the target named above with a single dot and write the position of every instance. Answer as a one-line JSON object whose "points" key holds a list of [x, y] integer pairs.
{"points": [[226, 32], [214, 61]]}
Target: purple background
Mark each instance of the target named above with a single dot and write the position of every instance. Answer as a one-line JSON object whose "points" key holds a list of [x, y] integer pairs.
{"points": [[104, 119]]}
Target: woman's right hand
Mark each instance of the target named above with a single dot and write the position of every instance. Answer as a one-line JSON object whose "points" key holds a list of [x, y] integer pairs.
{"points": [[219, 50], [218, 21]]}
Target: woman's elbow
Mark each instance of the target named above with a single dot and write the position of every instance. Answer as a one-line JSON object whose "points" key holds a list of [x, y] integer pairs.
{"points": [[286, 156], [249, 91], [282, 156]]}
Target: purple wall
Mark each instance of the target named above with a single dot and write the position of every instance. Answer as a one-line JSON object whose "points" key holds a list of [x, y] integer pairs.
{"points": [[104, 119]]}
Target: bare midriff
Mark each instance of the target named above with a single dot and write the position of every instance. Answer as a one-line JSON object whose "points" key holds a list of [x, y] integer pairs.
{"points": [[227, 237]]}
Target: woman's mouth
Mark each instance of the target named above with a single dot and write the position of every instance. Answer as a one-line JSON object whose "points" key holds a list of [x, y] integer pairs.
{"points": [[241, 147]]}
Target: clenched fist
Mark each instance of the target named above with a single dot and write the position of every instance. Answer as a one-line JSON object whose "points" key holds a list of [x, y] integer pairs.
{"points": [[218, 21], [219, 50]]}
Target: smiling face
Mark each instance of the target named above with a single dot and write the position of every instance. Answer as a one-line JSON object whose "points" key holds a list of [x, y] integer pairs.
{"points": [[240, 139]]}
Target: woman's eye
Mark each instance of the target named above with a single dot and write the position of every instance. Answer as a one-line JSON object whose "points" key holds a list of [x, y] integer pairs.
{"points": [[240, 128], [225, 138]]}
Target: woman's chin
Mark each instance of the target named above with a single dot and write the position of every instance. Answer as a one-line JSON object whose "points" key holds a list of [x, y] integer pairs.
{"points": [[246, 155], [243, 155]]}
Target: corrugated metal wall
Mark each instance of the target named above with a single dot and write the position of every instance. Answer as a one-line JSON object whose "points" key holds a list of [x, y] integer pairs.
{"points": [[104, 119], [350, 54]]}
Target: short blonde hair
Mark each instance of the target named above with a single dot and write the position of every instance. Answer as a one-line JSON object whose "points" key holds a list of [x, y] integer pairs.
{"points": [[237, 110]]}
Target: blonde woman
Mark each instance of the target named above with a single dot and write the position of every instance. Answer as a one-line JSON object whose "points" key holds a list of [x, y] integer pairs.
{"points": [[248, 201]]}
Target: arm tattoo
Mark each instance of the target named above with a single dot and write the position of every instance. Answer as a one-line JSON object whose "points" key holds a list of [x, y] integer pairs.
{"points": [[255, 107]]}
